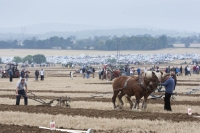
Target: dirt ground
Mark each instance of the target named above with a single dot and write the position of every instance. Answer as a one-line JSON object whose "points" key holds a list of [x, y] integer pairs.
{"points": [[96, 115]]}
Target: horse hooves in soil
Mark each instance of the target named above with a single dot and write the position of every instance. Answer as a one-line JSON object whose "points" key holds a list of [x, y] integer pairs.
{"points": [[120, 107]]}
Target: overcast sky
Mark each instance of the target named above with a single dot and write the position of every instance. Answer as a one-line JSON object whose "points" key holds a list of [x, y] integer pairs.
{"points": [[164, 14]]}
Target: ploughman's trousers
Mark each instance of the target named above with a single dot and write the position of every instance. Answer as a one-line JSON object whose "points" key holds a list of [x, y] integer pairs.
{"points": [[18, 97], [167, 105]]}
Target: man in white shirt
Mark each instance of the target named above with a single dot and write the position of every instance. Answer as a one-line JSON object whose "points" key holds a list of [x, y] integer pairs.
{"points": [[145, 69], [42, 74], [188, 70]]}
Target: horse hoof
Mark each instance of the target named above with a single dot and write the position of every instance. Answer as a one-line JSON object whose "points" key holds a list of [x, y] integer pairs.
{"points": [[120, 107], [134, 109]]}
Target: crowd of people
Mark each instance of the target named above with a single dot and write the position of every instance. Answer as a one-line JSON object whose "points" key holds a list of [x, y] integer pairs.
{"points": [[86, 71], [179, 70]]}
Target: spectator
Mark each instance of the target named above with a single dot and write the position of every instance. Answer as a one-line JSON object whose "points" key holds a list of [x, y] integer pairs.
{"points": [[188, 70], [138, 71], [36, 74], [22, 73], [181, 70], [93, 71], [71, 75], [131, 71], [145, 69], [88, 74], [197, 69], [10, 72], [194, 69], [27, 76], [83, 72], [42, 75]]}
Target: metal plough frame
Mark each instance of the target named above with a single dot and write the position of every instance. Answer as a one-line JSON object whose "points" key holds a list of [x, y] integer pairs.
{"points": [[192, 91], [61, 101], [160, 97]]}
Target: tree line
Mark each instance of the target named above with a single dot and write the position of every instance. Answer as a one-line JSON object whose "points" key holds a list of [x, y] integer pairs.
{"points": [[140, 42], [39, 58]]}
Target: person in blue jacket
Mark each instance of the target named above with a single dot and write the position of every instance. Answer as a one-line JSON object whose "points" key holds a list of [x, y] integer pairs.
{"points": [[169, 87], [138, 71]]}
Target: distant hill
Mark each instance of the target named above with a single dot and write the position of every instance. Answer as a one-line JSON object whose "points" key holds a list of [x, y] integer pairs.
{"points": [[43, 31]]}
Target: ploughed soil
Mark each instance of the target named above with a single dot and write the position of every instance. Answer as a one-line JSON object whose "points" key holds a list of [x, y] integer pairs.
{"points": [[178, 84], [118, 114], [23, 129], [92, 99], [96, 92], [33, 129]]}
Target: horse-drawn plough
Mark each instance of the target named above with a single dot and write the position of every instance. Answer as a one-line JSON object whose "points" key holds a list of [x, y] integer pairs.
{"points": [[153, 96], [60, 101]]}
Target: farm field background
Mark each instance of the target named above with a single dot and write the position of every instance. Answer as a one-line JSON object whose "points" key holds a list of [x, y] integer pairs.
{"points": [[96, 112]]}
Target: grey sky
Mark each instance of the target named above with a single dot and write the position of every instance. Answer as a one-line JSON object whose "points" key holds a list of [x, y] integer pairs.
{"points": [[164, 14]]}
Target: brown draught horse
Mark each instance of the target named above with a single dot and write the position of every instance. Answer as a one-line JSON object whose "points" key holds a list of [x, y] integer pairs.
{"points": [[138, 86]]}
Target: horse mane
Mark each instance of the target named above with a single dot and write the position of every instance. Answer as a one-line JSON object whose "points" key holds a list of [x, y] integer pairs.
{"points": [[159, 75], [148, 74]]}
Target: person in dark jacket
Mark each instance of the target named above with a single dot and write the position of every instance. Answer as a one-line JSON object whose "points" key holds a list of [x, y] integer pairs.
{"points": [[186, 72], [138, 71], [36, 74], [181, 70], [22, 74], [10, 72], [169, 87]]}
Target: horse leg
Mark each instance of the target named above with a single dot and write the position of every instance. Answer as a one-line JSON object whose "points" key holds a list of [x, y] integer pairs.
{"points": [[130, 102], [114, 98], [120, 99], [137, 101], [145, 102]]}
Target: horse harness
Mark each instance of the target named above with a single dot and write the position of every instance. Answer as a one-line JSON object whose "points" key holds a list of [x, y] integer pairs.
{"points": [[141, 82]]}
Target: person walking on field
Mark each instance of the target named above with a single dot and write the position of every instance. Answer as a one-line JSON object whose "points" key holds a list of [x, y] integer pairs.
{"points": [[36, 75], [138, 71], [188, 70], [20, 91], [10, 75], [42, 74], [181, 70], [93, 72], [169, 85], [27, 76], [22, 73], [71, 75]]}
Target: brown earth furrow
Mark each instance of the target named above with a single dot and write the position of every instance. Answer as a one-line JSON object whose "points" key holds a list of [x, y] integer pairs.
{"points": [[178, 84], [96, 92], [5, 128], [23, 129], [91, 99], [55, 91], [119, 114]]}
